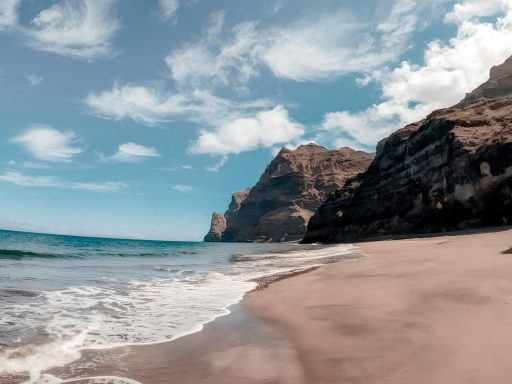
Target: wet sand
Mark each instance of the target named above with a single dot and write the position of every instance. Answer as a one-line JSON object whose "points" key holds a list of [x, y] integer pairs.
{"points": [[235, 349], [431, 310]]}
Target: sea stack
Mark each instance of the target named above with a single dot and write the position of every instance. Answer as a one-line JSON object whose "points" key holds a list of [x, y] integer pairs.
{"points": [[292, 187], [450, 171]]}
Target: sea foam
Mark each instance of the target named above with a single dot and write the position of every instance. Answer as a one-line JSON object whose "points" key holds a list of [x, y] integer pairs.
{"points": [[54, 308]]}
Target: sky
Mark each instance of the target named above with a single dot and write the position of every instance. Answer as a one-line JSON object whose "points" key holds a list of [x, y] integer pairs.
{"points": [[138, 119]]}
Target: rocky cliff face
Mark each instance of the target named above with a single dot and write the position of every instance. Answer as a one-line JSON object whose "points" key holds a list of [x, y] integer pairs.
{"points": [[451, 171], [292, 187], [219, 220], [217, 228]]}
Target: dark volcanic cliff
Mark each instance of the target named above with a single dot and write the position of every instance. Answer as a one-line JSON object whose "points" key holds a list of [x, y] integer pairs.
{"points": [[292, 187], [451, 171]]}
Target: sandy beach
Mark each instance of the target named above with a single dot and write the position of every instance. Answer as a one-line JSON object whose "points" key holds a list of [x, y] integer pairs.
{"points": [[429, 310]]}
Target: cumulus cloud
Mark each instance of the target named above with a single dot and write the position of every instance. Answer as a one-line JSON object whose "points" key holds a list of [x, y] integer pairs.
{"points": [[411, 91], [48, 144], [55, 182], [132, 153], [168, 9], [317, 47], [264, 130], [8, 13], [79, 29], [183, 188], [476, 8]]}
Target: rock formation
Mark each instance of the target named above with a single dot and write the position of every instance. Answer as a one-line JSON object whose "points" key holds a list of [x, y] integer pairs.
{"points": [[451, 171], [217, 228], [219, 220], [292, 187]]}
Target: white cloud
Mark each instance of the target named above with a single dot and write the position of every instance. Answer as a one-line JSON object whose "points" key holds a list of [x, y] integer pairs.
{"points": [[152, 105], [218, 165], [30, 181], [131, 152], [169, 8], [108, 186], [55, 182], [469, 9], [183, 167], [48, 144], [216, 62], [338, 43], [34, 79], [313, 48], [264, 130], [29, 164], [141, 103], [79, 29], [319, 49], [316, 47], [410, 92], [183, 188], [8, 13]]}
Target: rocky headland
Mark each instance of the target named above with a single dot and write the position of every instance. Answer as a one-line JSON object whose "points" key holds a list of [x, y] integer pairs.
{"points": [[219, 220], [292, 187]]}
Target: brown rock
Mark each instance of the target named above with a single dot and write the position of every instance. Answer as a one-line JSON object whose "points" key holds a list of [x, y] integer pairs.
{"points": [[292, 187], [451, 171], [217, 228], [502, 70], [219, 220]]}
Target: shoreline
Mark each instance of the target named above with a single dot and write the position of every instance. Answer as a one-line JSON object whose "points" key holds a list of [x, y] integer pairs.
{"points": [[417, 310], [264, 282], [422, 310], [88, 355]]}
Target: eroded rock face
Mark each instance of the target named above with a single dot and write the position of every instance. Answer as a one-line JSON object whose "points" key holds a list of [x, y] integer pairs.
{"points": [[451, 171], [217, 228], [502, 70], [219, 220], [292, 187]]}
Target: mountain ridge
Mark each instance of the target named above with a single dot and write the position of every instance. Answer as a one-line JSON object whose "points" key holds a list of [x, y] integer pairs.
{"points": [[449, 171]]}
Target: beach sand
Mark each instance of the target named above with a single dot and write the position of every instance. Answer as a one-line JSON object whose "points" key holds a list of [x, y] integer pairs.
{"points": [[431, 310]]}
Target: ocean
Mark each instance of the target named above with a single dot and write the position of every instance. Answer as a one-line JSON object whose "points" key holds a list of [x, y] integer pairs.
{"points": [[62, 294]]}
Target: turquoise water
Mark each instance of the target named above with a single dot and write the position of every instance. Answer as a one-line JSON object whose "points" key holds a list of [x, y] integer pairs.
{"points": [[61, 294]]}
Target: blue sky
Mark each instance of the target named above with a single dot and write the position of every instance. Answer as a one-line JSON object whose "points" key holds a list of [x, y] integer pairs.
{"points": [[139, 118]]}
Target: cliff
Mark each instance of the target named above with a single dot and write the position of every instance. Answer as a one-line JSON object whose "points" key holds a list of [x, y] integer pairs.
{"points": [[292, 187], [219, 220], [451, 171], [217, 228]]}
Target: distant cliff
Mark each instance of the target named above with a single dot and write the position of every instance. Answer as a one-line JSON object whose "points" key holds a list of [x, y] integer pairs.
{"points": [[451, 171], [219, 220], [292, 187]]}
